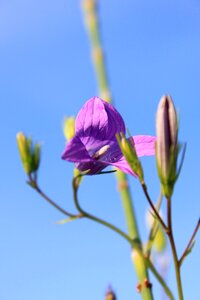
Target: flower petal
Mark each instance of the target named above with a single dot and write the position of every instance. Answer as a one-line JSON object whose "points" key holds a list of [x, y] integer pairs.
{"points": [[93, 167], [97, 123], [144, 145], [123, 166], [114, 157], [75, 151]]}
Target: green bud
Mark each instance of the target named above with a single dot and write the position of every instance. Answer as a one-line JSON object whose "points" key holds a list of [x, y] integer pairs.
{"points": [[29, 153], [128, 150], [69, 128], [36, 157], [166, 144], [24, 151]]}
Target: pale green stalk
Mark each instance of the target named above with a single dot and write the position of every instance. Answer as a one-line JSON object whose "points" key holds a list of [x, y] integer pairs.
{"points": [[174, 251], [91, 20]]}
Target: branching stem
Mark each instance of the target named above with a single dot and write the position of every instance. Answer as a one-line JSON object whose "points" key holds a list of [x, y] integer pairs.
{"points": [[189, 243], [144, 187], [33, 183], [96, 219]]}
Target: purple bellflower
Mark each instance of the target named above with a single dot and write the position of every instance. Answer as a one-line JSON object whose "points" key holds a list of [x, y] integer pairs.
{"points": [[94, 146]]}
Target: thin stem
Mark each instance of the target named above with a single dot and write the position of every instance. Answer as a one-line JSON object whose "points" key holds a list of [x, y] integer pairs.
{"points": [[174, 252], [144, 187], [189, 243], [154, 227], [160, 280], [98, 220], [35, 186]]}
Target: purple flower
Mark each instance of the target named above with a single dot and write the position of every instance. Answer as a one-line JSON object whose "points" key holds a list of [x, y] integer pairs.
{"points": [[94, 146]]}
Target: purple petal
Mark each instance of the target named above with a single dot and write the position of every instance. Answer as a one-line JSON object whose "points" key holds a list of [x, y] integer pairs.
{"points": [[75, 151], [93, 167], [97, 123], [114, 157], [123, 166], [144, 145]]}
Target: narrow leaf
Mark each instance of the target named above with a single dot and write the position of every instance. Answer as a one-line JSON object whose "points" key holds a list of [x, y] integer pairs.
{"points": [[188, 251]]}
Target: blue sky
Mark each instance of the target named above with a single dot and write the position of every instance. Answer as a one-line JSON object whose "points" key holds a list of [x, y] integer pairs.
{"points": [[46, 73]]}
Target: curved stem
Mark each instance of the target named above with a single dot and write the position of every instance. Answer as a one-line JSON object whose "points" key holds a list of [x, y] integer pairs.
{"points": [[33, 183], [160, 280], [98, 220], [144, 187], [174, 252]]}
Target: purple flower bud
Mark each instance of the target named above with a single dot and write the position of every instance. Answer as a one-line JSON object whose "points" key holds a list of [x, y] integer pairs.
{"points": [[166, 144]]}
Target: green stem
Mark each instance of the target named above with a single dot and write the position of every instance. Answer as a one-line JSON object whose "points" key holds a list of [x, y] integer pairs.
{"points": [[133, 243], [92, 25], [91, 20], [137, 257], [96, 219], [144, 187], [35, 186], [160, 280], [154, 228], [127, 205], [174, 252]]}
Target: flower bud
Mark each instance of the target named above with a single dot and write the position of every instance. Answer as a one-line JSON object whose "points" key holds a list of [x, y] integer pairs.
{"points": [[166, 144], [23, 146], [128, 150], [29, 153], [69, 128], [36, 157]]}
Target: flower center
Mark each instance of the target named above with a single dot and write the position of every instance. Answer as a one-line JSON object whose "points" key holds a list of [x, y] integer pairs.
{"points": [[101, 151]]}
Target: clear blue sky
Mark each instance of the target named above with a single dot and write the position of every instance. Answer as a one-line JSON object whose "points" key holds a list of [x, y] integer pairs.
{"points": [[46, 73]]}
